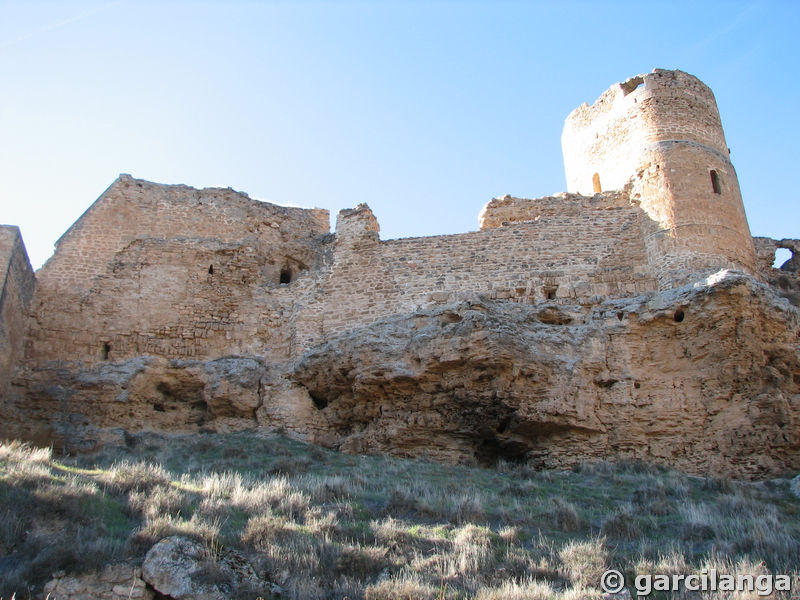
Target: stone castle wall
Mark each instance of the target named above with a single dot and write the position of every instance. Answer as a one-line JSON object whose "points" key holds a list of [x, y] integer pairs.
{"points": [[184, 273], [189, 289], [608, 137], [172, 271], [561, 248], [15, 297]]}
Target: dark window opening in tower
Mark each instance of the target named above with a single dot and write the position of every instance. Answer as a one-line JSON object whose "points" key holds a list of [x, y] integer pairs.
{"points": [[105, 350], [716, 183], [550, 292], [596, 183], [210, 269], [286, 276]]}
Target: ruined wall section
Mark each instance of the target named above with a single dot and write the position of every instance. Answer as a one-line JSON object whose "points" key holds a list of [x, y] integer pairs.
{"points": [[18, 284], [173, 271], [568, 249], [784, 278], [501, 212], [661, 133]]}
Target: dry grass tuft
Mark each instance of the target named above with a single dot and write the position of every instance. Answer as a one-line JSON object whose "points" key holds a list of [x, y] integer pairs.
{"points": [[361, 562], [472, 551], [323, 521], [125, 477], [565, 515], [24, 454], [264, 530], [158, 528], [583, 563], [512, 590], [408, 586], [332, 489], [159, 501], [623, 524]]}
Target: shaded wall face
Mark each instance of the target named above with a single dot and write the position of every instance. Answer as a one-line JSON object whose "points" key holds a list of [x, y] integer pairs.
{"points": [[182, 299], [134, 209], [17, 281]]}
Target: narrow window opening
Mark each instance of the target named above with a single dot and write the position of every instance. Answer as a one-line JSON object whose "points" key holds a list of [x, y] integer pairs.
{"points": [[210, 269], [105, 350], [782, 256], [286, 276], [550, 292], [596, 183], [716, 184], [679, 316]]}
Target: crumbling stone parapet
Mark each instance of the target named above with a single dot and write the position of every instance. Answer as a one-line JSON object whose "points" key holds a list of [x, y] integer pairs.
{"points": [[356, 224]]}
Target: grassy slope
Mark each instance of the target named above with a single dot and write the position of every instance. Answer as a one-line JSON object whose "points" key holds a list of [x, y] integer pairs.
{"points": [[328, 525]]}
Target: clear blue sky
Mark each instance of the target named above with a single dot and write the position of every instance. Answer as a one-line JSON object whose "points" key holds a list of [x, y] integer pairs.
{"points": [[423, 110]]}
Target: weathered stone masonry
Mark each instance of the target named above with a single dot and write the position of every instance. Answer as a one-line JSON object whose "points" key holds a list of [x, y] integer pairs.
{"points": [[15, 297], [172, 271], [588, 324]]}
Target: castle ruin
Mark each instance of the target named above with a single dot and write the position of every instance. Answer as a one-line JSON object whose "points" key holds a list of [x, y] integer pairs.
{"points": [[633, 316]]}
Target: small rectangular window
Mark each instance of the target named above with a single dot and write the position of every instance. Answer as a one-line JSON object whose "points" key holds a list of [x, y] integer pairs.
{"points": [[716, 184]]}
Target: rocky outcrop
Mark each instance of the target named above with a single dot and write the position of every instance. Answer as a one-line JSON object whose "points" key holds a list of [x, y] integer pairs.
{"points": [[115, 582], [183, 569], [705, 378], [78, 407]]}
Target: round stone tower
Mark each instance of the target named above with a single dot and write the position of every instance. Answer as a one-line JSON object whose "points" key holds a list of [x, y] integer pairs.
{"points": [[661, 135]]}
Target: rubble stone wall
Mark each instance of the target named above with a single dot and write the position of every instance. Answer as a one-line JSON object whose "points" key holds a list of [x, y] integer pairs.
{"points": [[172, 271], [591, 248]]}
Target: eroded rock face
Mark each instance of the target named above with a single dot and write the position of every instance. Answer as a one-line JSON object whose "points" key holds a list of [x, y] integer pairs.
{"points": [[705, 378], [79, 408]]}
